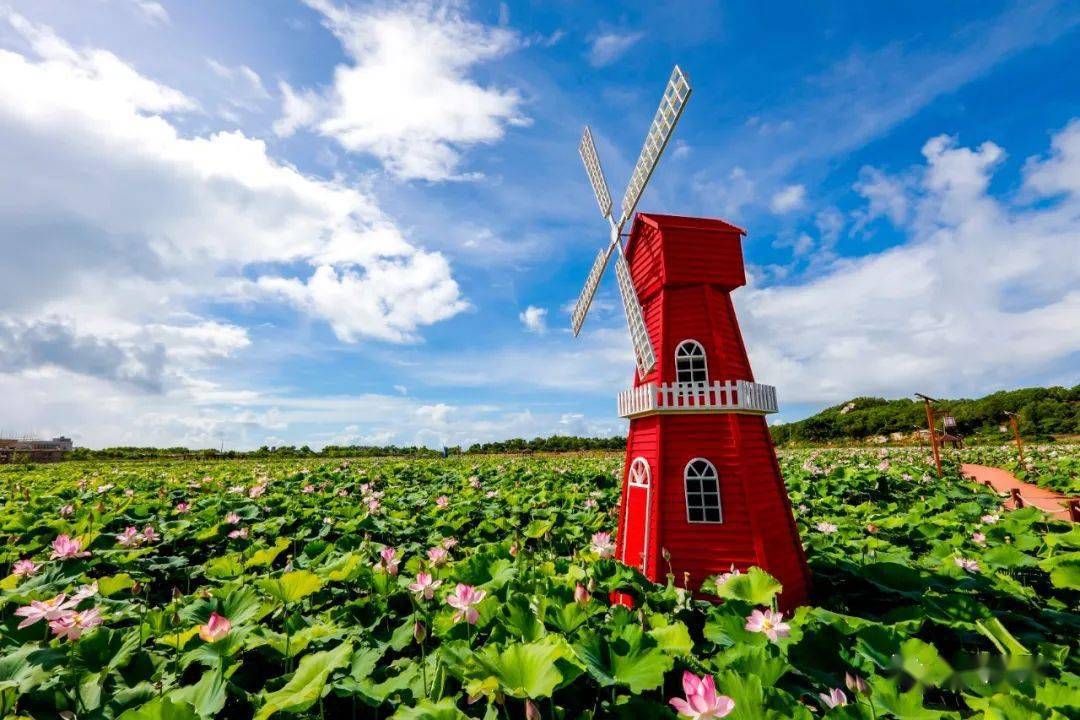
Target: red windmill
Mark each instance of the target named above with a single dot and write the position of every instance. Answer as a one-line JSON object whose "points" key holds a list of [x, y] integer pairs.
{"points": [[701, 479]]}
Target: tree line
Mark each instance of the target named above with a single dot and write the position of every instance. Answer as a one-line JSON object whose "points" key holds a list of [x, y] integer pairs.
{"points": [[1041, 412]]}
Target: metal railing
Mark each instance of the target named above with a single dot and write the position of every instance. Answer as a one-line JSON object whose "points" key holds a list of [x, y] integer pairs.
{"points": [[718, 396]]}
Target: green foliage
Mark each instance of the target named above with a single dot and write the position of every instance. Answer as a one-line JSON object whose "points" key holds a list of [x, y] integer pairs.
{"points": [[1042, 412], [288, 551]]}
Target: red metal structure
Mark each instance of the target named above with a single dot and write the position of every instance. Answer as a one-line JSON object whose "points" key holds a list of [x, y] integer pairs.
{"points": [[701, 479]]}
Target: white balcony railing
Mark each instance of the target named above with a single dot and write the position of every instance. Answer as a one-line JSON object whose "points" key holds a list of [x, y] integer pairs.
{"points": [[729, 396]]}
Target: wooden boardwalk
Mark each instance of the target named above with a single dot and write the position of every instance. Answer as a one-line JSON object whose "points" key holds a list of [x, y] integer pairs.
{"points": [[1053, 503]]}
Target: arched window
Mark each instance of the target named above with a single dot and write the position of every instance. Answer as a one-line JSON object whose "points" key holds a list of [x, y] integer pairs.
{"points": [[639, 472], [690, 363], [702, 492]]}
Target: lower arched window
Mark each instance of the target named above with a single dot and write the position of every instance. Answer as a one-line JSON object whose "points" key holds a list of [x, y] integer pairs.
{"points": [[639, 472], [702, 492]]}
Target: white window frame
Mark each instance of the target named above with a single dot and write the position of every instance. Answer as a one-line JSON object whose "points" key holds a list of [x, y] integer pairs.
{"points": [[702, 493], [692, 345], [640, 479]]}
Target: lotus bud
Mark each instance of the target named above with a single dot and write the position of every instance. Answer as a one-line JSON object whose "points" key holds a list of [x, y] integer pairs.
{"points": [[514, 549], [419, 631], [666, 554], [176, 594], [581, 595], [531, 712], [591, 585], [871, 528], [856, 684]]}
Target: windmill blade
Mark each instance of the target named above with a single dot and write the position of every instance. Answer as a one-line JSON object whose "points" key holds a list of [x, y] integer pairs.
{"points": [[667, 116], [587, 151], [635, 320], [577, 318]]}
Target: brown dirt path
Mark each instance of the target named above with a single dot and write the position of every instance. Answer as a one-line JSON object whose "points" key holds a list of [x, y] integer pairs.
{"points": [[1002, 481]]}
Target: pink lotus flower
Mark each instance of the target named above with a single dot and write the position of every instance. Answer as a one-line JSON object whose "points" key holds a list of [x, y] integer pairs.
{"points": [[25, 568], [425, 585], [492, 493], [834, 698], [129, 538], [978, 538], [702, 702], [442, 501], [590, 503], [308, 489], [67, 510], [71, 625], [463, 599], [217, 627], [989, 519], [449, 543], [826, 527], [966, 564], [183, 507], [724, 577], [768, 622], [86, 591], [150, 535], [342, 492], [437, 556], [241, 534], [67, 548], [256, 491], [602, 544], [43, 610], [856, 684], [373, 504], [232, 519], [474, 481], [581, 595], [388, 560]]}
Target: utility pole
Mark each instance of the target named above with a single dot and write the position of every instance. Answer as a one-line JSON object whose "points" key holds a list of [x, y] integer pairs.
{"points": [[927, 400], [1014, 421]]}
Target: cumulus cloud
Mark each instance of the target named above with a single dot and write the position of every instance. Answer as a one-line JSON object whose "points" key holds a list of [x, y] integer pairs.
{"points": [[124, 237], [792, 197], [608, 47], [983, 292], [534, 319], [407, 95]]}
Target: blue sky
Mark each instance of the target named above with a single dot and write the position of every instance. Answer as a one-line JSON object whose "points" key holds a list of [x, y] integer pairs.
{"points": [[326, 222]]}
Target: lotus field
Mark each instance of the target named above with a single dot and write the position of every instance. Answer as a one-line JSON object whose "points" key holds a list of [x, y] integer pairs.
{"points": [[479, 588]]}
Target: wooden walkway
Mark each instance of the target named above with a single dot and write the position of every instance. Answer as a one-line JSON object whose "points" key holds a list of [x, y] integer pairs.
{"points": [[1053, 503]]}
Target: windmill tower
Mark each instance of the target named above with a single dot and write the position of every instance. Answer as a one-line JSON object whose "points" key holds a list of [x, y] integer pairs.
{"points": [[700, 479]]}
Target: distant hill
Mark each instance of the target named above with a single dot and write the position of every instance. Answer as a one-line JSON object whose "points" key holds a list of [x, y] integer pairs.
{"points": [[1042, 411]]}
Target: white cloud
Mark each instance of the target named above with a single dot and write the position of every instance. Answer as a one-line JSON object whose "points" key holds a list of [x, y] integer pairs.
{"points": [[534, 319], [608, 47], [729, 195], [792, 197], [980, 295], [407, 97], [244, 87], [118, 230], [152, 12]]}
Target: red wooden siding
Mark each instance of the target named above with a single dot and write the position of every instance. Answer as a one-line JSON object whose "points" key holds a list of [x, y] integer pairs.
{"points": [[684, 270]]}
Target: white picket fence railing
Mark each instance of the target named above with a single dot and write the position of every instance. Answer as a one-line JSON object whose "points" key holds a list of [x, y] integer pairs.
{"points": [[731, 396]]}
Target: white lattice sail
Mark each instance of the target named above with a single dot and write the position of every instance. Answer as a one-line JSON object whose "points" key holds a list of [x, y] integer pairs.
{"points": [[587, 151], [667, 116], [581, 309], [635, 320]]}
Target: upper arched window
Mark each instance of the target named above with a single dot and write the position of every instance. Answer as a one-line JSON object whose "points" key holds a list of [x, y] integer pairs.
{"points": [[702, 492], [690, 362]]}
